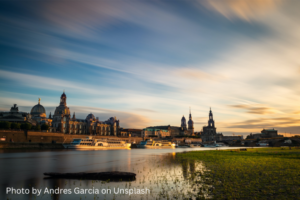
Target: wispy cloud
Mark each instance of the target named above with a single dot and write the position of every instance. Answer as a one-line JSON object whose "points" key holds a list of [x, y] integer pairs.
{"points": [[245, 9], [255, 109], [261, 123], [194, 73], [127, 119], [145, 110]]}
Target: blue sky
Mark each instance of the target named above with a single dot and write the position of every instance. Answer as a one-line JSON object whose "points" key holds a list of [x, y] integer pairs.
{"points": [[147, 62]]}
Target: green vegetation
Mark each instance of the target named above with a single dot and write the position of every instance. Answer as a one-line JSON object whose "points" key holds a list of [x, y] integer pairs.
{"points": [[26, 126], [5, 125], [15, 125], [45, 127], [259, 173], [37, 127]]}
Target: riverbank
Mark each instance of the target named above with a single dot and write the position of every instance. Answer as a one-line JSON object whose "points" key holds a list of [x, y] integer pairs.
{"points": [[11, 145], [260, 173]]}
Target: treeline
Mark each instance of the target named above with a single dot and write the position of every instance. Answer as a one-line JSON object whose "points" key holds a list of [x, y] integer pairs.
{"points": [[24, 126]]}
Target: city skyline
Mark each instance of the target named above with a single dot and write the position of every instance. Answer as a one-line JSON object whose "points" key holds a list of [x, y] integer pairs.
{"points": [[147, 62]]}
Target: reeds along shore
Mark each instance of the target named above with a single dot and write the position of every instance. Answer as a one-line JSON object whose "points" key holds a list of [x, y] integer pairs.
{"points": [[259, 173]]}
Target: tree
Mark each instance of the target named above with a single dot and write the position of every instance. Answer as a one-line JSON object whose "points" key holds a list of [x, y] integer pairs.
{"points": [[37, 127], [45, 127], [6, 125], [26, 126], [15, 126]]}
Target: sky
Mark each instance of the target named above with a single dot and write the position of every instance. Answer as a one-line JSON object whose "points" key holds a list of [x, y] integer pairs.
{"points": [[147, 62]]}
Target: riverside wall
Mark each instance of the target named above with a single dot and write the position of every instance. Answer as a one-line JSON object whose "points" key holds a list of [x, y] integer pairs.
{"points": [[33, 139]]}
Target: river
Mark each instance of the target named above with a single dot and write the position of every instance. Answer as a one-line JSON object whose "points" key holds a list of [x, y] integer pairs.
{"points": [[159, 174]]}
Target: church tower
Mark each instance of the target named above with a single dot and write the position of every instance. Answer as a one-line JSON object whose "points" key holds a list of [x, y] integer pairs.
{"points": [[211, 122], [191, 124], [61, 115], [183, 124], [63, 99]]}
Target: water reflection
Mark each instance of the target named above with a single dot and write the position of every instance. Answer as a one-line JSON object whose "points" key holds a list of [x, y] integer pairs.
{"points": [[158, 170]]}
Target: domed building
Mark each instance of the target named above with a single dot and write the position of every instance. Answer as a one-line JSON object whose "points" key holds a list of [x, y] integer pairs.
{"points": [[63, 122], [90, 117], [38, 113], [38, 110]]}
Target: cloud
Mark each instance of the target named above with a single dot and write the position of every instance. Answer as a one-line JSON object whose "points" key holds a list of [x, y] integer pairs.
{"points": [[261, 123], [243, 9], [145, 110], [255, 109], [127, 119], [46, 83], [192, 73]]}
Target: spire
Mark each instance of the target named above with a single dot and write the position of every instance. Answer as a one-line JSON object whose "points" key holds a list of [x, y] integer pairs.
{"points": [[74, 116], [50, 115], [211, 121], [39, 100], [63, 99], [190, 122]]}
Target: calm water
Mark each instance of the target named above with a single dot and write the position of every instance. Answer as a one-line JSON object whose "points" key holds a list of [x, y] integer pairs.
{"points": [[158, 171]]}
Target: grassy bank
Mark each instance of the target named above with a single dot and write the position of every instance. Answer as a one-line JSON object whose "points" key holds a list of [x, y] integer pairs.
{"points": [[261, 173]]}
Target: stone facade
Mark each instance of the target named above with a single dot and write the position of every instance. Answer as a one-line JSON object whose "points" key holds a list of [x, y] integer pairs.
{"points": [[15, 116], [129, 132], [209, 133], [160, 132], [63, 122], [265, 133]]}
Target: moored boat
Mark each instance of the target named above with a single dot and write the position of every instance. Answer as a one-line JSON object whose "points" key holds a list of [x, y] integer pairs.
{"points": [[155, 144], [90, 143]]}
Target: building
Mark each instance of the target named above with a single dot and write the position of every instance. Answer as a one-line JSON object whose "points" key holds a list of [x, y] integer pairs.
{"points": [[270, 133], [171, 131], [38, 114], [209, 133], [14, 115], [129, 132], [265, 133], [63, 122], [231, 138], [190, 124]]}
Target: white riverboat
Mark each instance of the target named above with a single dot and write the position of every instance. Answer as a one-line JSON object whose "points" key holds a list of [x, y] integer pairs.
{"points": [[90, 143], [195, 145], [153, 144], [213, 145], [262, 144]]}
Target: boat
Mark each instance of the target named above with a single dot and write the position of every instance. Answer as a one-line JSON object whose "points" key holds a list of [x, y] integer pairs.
{"points": [[90, 143], [182, 146], [155, 144], [209, 145], [262, 144], [195, 145], [221, 145]]}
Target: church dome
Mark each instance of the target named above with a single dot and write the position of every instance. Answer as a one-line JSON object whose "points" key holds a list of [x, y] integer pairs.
{"points": [[38, 109], [90, 117]]}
